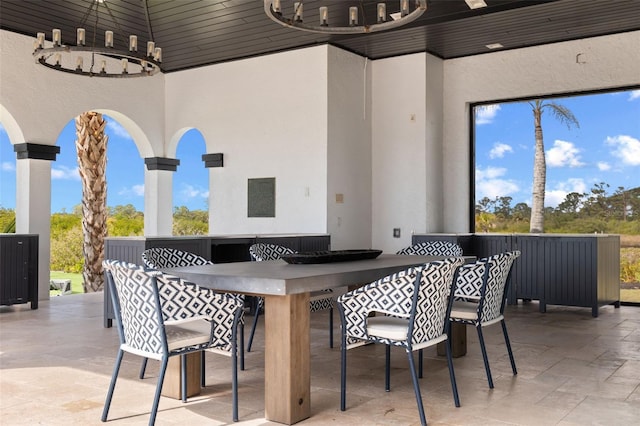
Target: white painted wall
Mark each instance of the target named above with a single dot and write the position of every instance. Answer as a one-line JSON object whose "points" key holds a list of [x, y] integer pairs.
{"points": [[605, 62], [349, 150], [398, 150], [42, 101], [268, 116]]}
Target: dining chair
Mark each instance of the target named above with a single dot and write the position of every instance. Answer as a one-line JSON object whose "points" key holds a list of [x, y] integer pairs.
{"points": [[433, 248], [166, 257], [200, 301], [142, 329], [318, 301], [411, 310], [479, 299]]}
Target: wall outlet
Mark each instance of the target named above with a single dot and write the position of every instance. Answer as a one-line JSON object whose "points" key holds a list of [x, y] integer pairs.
{"points": [[396, 232]]}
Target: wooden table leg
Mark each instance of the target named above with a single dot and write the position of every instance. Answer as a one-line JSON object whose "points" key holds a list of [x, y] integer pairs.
{"points": [[458, 341], [287, 358], [171, 385]]}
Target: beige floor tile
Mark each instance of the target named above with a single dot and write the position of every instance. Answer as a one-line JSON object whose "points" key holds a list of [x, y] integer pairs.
{"points": [[573, 369]]}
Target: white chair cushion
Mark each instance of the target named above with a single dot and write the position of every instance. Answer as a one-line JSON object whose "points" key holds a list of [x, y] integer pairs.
{"points": [[386, 327], [188, 333], [464, 310]]}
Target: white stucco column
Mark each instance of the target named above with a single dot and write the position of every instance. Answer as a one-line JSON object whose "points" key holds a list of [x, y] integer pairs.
{"points": [[158, 196], [33, 203], [434, 141]]}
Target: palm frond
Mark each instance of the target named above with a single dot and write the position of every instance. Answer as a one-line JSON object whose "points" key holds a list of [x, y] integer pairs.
{"points": [[563, 114]]}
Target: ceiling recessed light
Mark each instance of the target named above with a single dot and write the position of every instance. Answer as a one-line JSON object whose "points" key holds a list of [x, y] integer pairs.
{"points": [[494, 46], [475, 4]]}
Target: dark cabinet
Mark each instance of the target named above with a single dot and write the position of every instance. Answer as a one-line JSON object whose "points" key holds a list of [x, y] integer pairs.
{"points": [[19, 269], [556, 269]]}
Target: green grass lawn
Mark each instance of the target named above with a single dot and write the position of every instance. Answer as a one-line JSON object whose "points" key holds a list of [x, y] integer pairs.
{"points": [[76, 282], [630, 295]]}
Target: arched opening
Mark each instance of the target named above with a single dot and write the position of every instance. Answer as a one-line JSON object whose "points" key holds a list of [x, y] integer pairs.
{"points": [[190, 185]]}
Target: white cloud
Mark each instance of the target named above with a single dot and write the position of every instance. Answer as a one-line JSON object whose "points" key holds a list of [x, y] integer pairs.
{"points": [[8, 167], [557, 195], [626, 148], [563, 154], [490, 173], [499, 149], [603, 166], [493, 188], [65, 173], [114, 128], [486, 113], [488, 184], [635, 94], [134, 191], [189, 191]]}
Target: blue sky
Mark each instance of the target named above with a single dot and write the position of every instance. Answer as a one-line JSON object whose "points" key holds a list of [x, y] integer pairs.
{"points": [[605, 148], [125, 171]]}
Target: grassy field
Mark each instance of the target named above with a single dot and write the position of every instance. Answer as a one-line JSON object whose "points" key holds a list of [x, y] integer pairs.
{"points": [[76, 282]]}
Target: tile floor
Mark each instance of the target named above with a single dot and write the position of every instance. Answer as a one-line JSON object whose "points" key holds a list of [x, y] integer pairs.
{"points": [[56, 362]]}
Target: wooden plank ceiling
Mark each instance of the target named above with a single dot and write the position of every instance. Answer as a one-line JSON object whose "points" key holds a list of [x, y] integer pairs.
{"points": [[194, 33]]}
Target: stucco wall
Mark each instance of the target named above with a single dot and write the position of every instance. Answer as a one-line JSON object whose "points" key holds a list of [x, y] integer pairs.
{"points": [[398, 150], [43, 101], [268, 116], [349, 151]]}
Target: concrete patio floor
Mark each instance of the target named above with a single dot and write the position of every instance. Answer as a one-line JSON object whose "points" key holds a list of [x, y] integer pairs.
{"points": [[56, 363]]}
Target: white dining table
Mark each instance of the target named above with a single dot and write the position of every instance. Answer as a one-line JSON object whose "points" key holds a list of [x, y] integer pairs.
{"points": [[285, 288]]}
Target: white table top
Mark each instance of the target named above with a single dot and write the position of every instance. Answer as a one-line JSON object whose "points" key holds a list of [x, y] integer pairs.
{"points": [[276, 277]]}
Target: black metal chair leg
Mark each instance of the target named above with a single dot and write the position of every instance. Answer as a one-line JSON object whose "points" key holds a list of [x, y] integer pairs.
{"points": [[452, 376], [242, 346], [156, 399], [143, 367], [343, 373], [416, 388], [234, 379], [331, 327], [484, 356], [183, 377], [508, 343], [253, 328], [387, 368], [420, 363], [112, 385], [202, 371]]}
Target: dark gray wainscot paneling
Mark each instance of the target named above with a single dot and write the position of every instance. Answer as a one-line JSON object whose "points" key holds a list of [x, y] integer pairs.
{"points": [[574, 270]]}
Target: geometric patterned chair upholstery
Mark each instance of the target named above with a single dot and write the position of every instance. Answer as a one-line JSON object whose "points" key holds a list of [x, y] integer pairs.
{"points": [[164, 257], [135, 294], [411, 311], [318, 300], [479, 299], [181, 299], [433, 248]]}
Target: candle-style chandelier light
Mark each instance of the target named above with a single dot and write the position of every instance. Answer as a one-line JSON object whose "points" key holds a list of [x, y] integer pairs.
{"points": [[115, 55], [345, 17]]}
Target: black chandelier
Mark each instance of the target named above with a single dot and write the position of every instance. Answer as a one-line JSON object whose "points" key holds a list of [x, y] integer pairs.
{"points": [[91, 60], [345, 17]]}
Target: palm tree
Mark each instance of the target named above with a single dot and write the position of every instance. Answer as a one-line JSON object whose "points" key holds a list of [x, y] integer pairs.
{"points": [[91, 146], [562, 113]]}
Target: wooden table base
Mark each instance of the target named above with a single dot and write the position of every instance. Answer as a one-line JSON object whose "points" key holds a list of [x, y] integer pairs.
{"points": [[171, 385], [458, 341]]}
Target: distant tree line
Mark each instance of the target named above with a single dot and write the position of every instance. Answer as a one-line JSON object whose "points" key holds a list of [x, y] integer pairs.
{"points": [[595, 211], [123, 221]]}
